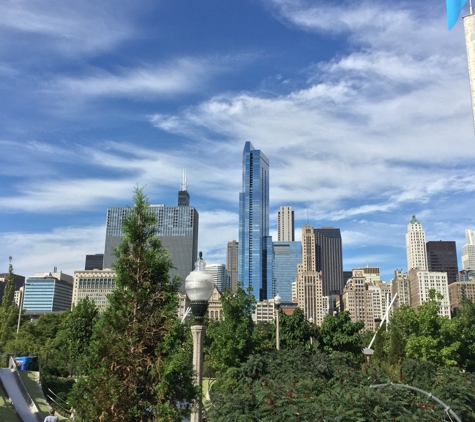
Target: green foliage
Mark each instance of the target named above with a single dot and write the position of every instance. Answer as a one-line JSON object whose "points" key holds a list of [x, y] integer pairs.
{"points": [[138, 360], [340, 334], [295, 331], [8, 310], [76, 331], [463, 327], [230, 341]]}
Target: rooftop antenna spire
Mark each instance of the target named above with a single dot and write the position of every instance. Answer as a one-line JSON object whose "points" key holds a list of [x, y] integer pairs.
{"points": [[183, 182]]}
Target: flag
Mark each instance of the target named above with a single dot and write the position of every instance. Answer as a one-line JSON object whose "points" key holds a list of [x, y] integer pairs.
{"points": [[454, 7]]}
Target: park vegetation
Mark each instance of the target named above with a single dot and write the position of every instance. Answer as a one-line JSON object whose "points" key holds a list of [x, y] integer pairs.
{"points": [[133, 361]]}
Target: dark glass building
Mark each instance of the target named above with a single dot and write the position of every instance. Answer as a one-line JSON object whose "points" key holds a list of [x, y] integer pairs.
{"points": [[255, 244], [286, 257], [442, 257], [328, 252], [94, 262], [177, 228]]}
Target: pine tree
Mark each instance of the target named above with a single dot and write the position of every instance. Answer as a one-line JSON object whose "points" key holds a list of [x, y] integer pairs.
{"points": [[8, 310], [139, 360]]}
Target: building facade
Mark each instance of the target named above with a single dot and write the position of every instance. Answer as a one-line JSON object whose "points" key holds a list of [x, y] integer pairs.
{"points": [[458, 292], [94, 262], [220, 276], [177, 229], [358, 300], [468, 251], [19, 282], [94, 284], [442, 257], [400, 286], [285, 258], [255, 244], [422, 281], [48, 292], [309, 284], [416, 245], [329, 259], [285, 224], [232, 258]]}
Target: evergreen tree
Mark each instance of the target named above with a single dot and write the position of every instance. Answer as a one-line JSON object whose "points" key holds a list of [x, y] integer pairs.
{"points": [[8, 310], [139, 359]]}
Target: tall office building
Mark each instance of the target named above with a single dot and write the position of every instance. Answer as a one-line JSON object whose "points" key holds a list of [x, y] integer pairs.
{"points": [[416, 246], [48, 292], [95, 284], [442, 257], [255, 244], [400, 285], [19, 282], [422, 281], [285, 224], [358, 300], [232, 264], [308, 284], [177, 228], [220, 276], [468, 251], [329, 260], [285, 258]]}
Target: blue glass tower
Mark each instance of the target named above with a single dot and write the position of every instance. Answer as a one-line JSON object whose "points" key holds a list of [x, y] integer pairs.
{"points": [[255, 244], [285, 257]]}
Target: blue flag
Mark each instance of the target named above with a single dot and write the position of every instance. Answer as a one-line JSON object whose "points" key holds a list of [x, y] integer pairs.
{"points": [[454, 7]]}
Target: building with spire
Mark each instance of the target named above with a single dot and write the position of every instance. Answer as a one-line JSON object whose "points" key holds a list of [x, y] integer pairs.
{"points": [[416, 245], [177, 228], [255, 244]]}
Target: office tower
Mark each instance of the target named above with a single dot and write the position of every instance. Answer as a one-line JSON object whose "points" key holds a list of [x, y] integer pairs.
{"points": [[94, 284], [232, 264], [468, 251], [19, 281], [358, 300], [285, 258], [285, 224], [400, 285], [255, 244], [328, 252], [309, 287], [48, 292], [177, 228], [421, 281], [442, 257], [416, 246], [469, 30], [220, 276], [94, 262]]}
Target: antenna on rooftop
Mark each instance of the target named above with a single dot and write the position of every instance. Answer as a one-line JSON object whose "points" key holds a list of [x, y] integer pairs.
{"points": [[183, 182]]}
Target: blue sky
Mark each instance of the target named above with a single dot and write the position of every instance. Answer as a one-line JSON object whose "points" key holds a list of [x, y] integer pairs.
{"points": [[363, 109]]}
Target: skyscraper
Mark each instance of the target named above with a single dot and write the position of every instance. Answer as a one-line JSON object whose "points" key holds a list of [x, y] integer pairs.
{"points": [[416, 245], [220, 276], [468, 251], [255, 244], [285, 224], [285, 258], [329, 260], [442, 257], [177, 228], [232, 264]]}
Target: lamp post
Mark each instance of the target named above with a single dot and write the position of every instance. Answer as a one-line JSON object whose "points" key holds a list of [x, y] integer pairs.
{"points": [[199, 286], [277, 302], [22, 299], [310, 320]]}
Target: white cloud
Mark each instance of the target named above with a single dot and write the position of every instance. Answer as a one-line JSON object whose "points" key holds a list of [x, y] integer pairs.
{"points": [[64, 247]]}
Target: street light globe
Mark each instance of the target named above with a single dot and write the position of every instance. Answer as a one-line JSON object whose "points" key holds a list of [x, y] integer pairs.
{"points": [[277, 300], [310, 320], [199, 286]]}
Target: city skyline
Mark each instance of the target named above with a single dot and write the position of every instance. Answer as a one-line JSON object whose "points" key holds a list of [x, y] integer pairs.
{"points": [[362, 109]]}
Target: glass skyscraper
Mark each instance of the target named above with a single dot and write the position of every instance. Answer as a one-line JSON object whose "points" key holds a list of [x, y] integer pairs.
{"points": [[255, 244], [286, 257]]}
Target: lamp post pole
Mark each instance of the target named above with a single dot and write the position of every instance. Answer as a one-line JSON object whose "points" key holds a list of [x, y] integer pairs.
{"points": [[199, 286], [277, 302], [22, 299], [310, 320]]}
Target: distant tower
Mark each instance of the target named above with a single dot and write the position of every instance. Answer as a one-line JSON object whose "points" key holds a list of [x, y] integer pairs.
{"points": [[469, 27], [416, 245], [468, 251], [232, 264], [328, 252], [285, 224], [183, 195], [255, 244]]}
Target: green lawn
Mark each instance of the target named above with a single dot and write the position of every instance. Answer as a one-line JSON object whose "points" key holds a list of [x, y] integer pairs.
{"points": [[29, 379], [7, 411]]}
